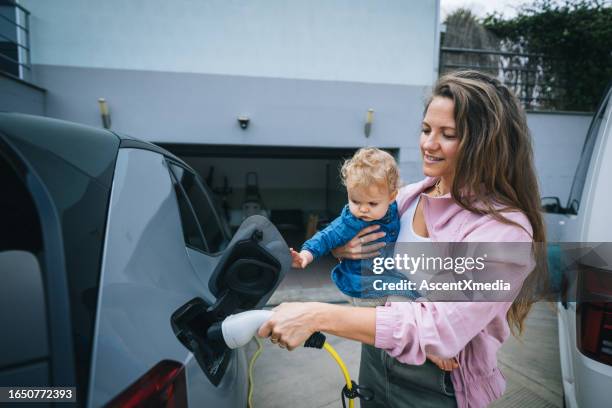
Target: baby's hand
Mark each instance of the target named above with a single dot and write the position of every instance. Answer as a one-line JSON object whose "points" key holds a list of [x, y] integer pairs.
{"points": [[448, 364], [300, 259]]}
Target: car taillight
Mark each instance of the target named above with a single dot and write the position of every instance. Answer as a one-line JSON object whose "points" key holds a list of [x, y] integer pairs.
{"points": [[161, 386], [594, 314]]}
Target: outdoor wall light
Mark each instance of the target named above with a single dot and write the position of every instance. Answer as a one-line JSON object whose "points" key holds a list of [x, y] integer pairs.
{"points": [[368, 123], [243, 121], [104, 113]]}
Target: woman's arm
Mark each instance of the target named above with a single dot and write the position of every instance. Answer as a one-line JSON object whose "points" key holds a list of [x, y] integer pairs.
{"points": [[292, 323], [408, 331]]}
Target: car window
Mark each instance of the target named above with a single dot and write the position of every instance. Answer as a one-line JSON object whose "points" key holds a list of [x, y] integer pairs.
{"points": [[191, 229], [199, 200], [22, 299], [575, 196]]}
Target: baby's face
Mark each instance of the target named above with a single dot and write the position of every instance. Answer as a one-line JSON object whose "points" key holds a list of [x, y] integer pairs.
{"points": [[369, 203]]}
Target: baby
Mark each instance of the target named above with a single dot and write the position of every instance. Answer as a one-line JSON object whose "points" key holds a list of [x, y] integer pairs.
{"points": [[371, 178]]}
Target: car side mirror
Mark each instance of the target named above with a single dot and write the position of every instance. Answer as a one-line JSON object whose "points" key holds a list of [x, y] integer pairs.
{"points": [[552, 205]]}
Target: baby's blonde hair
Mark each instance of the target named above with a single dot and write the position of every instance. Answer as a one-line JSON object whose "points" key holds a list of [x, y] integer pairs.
{"points": [[368, 166]]}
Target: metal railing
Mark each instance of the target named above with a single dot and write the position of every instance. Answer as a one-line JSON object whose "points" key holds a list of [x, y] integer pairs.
{"points": [[15, 40], [524, 73]]}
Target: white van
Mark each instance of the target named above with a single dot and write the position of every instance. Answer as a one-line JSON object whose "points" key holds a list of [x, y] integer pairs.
{"points": [[585, 312]]}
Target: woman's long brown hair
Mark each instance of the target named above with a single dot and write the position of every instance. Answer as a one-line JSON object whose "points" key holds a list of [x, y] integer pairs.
{"points": [[495, 163]]}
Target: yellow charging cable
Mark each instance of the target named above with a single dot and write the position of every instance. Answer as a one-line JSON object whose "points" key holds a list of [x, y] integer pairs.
{"points": [[251, 364], [347, 377], [317, 340]]}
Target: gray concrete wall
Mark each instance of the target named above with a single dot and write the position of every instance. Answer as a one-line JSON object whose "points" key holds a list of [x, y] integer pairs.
{"points": [[203, 108], [17, 96], [557, 143]]}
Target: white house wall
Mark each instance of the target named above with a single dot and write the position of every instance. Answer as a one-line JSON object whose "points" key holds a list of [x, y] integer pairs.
{"points": [[373, 41], [557, 143]]}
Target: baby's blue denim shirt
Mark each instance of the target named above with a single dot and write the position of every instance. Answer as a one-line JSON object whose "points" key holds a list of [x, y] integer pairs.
{"points": [[347, 274]]}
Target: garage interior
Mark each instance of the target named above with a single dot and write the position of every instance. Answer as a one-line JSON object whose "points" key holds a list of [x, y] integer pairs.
{"points": [[298, 188]]}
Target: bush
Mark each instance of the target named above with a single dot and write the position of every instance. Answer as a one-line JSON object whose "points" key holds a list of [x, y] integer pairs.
{"points": [[575, 39]]}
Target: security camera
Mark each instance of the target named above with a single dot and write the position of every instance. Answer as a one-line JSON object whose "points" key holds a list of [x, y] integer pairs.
{"points": [[243, 121]]}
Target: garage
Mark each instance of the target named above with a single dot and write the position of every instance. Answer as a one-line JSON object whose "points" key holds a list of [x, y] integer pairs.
{"points": [[298, 188]]}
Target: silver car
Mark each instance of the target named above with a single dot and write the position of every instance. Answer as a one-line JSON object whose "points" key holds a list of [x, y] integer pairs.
{"points": [[114, 263]]}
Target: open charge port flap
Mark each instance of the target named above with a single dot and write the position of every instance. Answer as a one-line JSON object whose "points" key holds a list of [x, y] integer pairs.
{"points": [[245, 277]]}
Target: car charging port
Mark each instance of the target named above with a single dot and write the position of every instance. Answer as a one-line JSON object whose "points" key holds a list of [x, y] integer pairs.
{"points": [[190, 324], [245, 276]]}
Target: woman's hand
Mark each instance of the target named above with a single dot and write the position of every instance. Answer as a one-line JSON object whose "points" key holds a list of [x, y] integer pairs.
{"points": [[445, 364], [291, 324], [356, 248]]}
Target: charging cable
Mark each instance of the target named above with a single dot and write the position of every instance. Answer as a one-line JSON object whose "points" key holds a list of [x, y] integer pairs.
{"points": [[351, 389]]}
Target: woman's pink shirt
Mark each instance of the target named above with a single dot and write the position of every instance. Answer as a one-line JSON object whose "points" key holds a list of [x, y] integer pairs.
{"points": [[470, 331]]}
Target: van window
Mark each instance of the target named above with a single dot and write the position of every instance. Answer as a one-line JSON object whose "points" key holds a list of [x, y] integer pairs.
{"points": [[199, 200], [575, 196]]}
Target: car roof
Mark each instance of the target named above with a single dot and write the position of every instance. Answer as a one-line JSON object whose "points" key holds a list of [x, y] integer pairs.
{"points": [[91, 151], [129, 142]]}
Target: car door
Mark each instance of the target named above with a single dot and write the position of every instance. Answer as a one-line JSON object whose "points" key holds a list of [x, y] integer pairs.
{"points": [[164, 243], [25, 357], [36, 343]]}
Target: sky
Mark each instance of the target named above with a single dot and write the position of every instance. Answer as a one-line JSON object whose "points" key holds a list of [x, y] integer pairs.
{"points": [[481, 7]]}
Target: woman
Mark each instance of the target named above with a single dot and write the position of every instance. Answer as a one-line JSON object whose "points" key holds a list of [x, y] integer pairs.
{"points": [[480, 187]]}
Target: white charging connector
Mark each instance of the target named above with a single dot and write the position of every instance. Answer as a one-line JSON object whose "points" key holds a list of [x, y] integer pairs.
{"points": [[240, 328]]}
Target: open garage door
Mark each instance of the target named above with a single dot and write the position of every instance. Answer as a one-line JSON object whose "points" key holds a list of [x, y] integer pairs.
{"points": [[298, 188]]}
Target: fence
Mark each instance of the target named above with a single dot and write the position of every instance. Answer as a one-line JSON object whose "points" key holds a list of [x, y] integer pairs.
{"points": [[15, 40], [524, 73]]}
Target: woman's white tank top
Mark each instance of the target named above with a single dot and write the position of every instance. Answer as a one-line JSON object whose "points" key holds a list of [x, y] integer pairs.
{"points": [[407, 219]]}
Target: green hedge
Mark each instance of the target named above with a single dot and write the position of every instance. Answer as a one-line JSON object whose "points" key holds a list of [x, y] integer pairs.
{"points": [[575, 38]]}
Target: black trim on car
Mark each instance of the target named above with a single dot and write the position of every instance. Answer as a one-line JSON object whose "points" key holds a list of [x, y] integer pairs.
{"points": [[215, 211], [139, 144]]}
